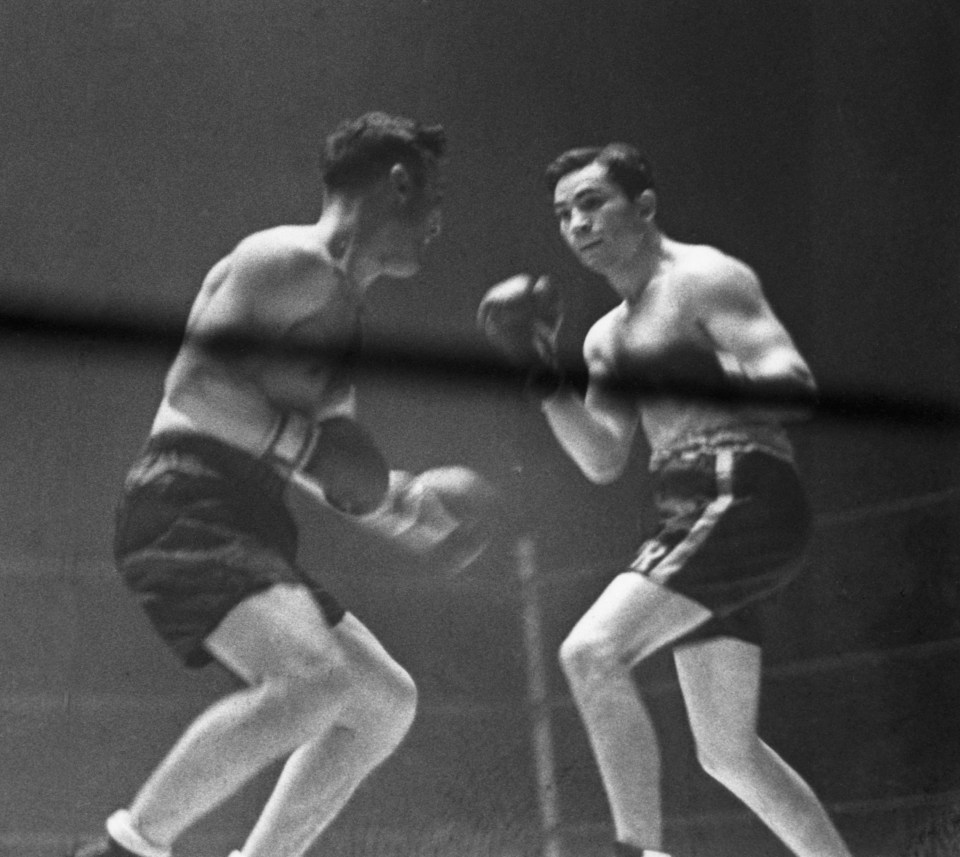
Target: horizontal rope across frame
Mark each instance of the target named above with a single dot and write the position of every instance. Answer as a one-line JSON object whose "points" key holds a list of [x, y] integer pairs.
{"points": [[871, 511], [475, 364]]}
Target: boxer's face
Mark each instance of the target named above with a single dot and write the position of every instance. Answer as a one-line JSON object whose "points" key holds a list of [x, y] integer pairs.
{"points": [[597, 221]]}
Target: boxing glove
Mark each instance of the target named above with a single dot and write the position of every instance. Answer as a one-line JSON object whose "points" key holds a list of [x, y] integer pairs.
{"points": [[446, 516], [334, 460], [521, 318]]}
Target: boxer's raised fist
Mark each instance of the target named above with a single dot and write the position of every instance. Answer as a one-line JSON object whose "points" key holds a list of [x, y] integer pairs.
{"points": [[521, 318]]}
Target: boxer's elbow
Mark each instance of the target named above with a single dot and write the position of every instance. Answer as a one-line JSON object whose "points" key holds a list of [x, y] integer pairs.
{"points": [[603, 477], [599, 447], [604, 465]]}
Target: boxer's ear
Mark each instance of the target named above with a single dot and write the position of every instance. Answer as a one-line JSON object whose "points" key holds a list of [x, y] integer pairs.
{"points": [[401, 183], [646, 204]]}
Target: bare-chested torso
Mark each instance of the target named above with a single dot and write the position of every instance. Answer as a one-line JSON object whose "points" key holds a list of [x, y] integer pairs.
{"points": [[277, 290], [645, 337]]}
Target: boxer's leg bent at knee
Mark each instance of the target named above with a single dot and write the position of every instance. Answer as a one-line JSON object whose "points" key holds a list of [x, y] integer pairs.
{"points": [[720, 681], [331, 699], [320, 776], [690, 580], [209, 548], [632, 619]]}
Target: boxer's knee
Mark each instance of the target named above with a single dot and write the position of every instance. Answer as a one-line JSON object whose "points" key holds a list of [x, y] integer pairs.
{"points": [[729, 759], [303, 701], [384, 705], [589, 657]]}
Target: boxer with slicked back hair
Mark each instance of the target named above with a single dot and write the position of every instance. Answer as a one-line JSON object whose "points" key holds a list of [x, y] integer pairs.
{"points": [[695, 358]]}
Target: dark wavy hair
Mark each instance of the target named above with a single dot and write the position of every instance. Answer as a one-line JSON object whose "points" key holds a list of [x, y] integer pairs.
{"points": [[360, 151], [625, 165]]}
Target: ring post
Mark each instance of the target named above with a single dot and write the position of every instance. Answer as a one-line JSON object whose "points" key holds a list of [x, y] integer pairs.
{"points": [[538, 702]]}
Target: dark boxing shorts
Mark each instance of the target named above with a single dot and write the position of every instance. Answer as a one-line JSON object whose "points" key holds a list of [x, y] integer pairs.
{"points": [[733, 527], [201, 527]]}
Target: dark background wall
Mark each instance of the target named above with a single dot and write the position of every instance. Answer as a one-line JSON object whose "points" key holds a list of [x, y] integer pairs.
{"points": [[817, 140]]}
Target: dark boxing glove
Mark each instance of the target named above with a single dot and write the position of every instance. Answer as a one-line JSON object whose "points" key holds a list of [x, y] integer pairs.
{"points": [[521, 318], [334, 461]]}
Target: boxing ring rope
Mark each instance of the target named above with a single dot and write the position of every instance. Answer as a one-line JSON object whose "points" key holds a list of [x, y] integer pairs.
{"points": [[882, 510], [474, 363]]}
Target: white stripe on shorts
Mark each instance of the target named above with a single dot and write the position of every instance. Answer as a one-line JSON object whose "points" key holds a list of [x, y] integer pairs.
{"points": [[701, 530]]}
